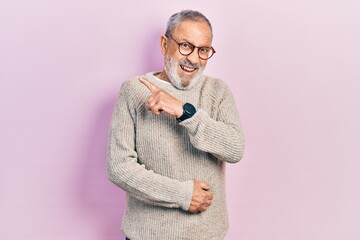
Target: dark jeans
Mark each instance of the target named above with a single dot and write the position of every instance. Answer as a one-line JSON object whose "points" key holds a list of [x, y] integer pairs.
{"points": [[127, 238]]}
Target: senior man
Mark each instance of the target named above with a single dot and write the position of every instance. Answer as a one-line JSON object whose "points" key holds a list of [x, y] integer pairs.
{"points": [[171, 134]]}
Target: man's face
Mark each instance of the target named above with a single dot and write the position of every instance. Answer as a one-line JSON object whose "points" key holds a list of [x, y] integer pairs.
{"points": [[185, 71]]}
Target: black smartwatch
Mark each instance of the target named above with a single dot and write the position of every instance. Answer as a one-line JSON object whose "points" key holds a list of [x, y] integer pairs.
{"points": [[189, 111]]}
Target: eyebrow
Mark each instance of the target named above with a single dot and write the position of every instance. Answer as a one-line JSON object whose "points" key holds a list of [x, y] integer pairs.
{"points": [[184, 40]]}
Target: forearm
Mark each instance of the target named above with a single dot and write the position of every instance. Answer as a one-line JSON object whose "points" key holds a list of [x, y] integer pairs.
{"points": [[147, 186], [224, 140]]}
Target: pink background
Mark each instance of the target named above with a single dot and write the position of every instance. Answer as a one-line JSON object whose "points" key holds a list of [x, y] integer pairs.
{"points": [[293, 66]]}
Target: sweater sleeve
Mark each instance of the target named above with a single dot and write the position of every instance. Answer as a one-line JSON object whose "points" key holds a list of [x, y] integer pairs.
{"points": [[220, 135], [125, 171]]}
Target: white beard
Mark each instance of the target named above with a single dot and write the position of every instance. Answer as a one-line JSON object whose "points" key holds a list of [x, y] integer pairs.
{"points": [[171, 67]]}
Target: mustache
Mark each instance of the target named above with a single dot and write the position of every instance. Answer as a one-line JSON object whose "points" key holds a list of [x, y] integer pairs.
{"points": [[188, 63]]}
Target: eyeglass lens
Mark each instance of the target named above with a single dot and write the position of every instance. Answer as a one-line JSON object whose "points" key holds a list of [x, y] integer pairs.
{"points": [[186, 48]]}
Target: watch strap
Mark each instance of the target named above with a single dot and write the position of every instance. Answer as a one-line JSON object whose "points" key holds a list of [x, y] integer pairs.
{"points": [[189, 111]]}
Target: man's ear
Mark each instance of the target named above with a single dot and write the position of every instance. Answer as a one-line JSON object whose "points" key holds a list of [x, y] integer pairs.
{"points": [[163, 44]]}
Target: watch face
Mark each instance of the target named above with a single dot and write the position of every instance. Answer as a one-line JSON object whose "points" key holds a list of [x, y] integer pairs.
{"points": [[189, 109]]}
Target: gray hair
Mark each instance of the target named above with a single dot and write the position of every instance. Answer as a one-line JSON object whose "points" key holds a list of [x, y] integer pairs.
{"points": [[176, 18]]}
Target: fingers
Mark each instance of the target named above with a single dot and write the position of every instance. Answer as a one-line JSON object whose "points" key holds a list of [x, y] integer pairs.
{"points": [[155, 105], [208, 196], [199, 208], [204, 185], [161, 101], [202, 198], [155, 98], [211, 196], [155, 108], [148, 84]]}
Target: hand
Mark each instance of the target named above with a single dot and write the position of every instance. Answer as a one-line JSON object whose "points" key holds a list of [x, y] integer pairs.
{"points": [[160, 100], [201, 198]]}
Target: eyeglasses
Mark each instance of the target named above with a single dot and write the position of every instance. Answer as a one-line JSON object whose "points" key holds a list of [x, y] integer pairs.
{"points": [[186, 48]]}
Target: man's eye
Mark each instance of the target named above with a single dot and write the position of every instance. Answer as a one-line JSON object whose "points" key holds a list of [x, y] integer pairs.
{"points": [[185, 45], [205, 49]]}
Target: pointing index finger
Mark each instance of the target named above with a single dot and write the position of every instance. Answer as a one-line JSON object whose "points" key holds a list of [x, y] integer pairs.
{"points": [[148, 84]]}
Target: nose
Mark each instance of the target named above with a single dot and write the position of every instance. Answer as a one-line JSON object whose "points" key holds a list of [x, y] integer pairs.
{"points": [[194, 57]]}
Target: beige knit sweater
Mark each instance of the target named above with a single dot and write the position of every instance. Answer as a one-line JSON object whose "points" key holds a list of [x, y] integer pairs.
{"points": [[155, 159]]}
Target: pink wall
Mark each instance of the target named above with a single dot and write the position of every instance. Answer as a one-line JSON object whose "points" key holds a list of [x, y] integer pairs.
{"points": [[293, 66]]}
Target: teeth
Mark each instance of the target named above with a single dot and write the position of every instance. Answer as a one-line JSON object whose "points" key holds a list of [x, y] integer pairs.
{"points": [[189, 69]]}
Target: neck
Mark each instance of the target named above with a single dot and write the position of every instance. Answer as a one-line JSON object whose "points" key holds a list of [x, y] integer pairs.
{"points": [[162, 75]]}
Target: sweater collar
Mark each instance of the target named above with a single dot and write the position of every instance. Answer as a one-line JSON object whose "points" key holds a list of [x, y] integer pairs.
{"points": [[168, 85]]}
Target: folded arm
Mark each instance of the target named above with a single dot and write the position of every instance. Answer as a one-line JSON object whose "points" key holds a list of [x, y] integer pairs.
{"points": [[221, 135]]}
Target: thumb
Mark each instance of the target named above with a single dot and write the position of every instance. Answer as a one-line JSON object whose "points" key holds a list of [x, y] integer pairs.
{"points": [[204, 185]]}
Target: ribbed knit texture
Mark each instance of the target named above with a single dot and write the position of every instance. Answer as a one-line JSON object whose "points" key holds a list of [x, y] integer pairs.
{"points": [[155, 159]]}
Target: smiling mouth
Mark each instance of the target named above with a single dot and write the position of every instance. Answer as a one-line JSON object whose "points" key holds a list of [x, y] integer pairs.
{"points": [[187, 68]]}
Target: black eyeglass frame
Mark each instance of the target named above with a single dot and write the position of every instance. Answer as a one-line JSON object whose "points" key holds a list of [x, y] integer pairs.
{"points": [[193, 48]]}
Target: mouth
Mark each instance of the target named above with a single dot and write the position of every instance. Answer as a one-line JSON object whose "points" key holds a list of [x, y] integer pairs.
{"points": [[187, 68]]}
